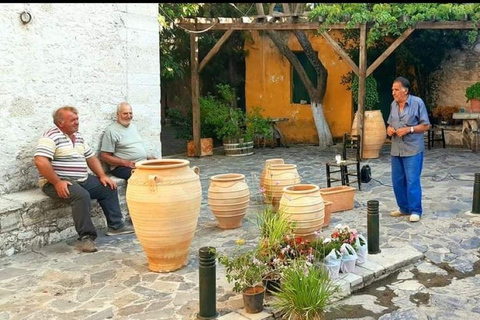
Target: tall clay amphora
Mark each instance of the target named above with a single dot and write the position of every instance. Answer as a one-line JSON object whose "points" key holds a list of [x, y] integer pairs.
{"points": [[304, 205], [268, 162], [277, 177], [163, 198], [228, 198], [374, 133]]}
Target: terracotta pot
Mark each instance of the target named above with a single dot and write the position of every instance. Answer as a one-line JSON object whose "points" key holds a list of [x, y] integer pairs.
{"points": [[164, 198], [342, 197], [328, 212], [475, 105], [303, 204], [268, 162], [206, 145], [374, 133], [277, 177], [253, 298], [228, 198]]}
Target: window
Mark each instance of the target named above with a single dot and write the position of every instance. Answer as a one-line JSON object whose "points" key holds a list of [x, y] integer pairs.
{"points": [[299, 92]]}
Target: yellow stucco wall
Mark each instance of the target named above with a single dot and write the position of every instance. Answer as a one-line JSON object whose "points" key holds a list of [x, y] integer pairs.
{"points": [[268, 85]]}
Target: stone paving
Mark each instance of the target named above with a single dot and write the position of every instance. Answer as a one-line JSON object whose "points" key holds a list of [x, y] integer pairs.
{"points": [[436, 280]]}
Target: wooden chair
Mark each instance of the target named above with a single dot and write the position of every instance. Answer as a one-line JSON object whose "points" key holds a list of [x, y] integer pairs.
{"points": [[435, 134], [350, 158]]}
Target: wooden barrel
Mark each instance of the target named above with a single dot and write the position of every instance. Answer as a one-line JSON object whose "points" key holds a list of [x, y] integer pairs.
{"points": [[228, 199], [268, 162], [277, 177], [374, 133], [304, 205], [238, 149], [164, 198]]}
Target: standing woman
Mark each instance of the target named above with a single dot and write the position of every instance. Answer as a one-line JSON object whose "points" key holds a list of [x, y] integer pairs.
{"points": [[407, 122]]}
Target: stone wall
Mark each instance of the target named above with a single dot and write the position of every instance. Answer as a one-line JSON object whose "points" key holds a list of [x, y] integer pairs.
{"points": [[91, 56], [456, 74]]}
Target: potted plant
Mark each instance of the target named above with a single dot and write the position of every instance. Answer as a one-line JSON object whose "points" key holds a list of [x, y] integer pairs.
{"points": [[444, 114], [375, 131], [258, 127], [472, 93], [304, 287], [245, 270], [229, 123], [184, 130]]}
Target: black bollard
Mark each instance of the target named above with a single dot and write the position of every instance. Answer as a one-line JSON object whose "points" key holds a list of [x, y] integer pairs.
{"points": [[207, 286], [476, 194], [373, 227]]}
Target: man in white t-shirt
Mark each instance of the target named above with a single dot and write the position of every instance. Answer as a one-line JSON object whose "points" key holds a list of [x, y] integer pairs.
{"points": [[122, 145]]}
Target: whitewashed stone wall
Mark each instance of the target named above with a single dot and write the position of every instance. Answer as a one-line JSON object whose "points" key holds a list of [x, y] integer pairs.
{"points": [[91, 56]]}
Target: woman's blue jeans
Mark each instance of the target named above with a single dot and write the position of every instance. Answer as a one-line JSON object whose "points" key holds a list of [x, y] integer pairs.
{"points": [[406, 175]]}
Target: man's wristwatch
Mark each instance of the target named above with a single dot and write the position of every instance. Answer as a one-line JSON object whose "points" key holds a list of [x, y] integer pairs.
{"points": [[411, 129]]}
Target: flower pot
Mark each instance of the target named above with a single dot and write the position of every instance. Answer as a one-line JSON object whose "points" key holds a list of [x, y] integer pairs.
{"points": [[228, 198], [277, 177], [303, 204], [163, 198], [374, 133], [341, 197], [253, 298], [328, 213], [271, 285], [206, 145], [475, 105]]}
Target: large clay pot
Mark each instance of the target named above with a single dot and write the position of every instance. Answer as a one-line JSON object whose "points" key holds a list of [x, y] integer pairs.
{"points": [[228, 198], [164, 198], [374, 133], [268, 162], [341, 197], [304, 205], [277, 177]]}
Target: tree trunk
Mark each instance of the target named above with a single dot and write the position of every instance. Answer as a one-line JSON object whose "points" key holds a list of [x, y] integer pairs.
{"points": [[323, 130]]}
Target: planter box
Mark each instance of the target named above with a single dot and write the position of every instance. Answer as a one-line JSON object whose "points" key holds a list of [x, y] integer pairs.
{"points": [[205, 143], [341, 197]]}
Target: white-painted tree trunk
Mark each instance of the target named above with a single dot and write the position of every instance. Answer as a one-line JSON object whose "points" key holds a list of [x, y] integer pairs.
{"points": [[323, 130]]}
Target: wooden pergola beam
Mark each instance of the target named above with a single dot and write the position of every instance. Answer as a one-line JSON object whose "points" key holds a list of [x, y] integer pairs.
{"points": [[341, 52], [250, 24], [389, 51], [215, 49]]}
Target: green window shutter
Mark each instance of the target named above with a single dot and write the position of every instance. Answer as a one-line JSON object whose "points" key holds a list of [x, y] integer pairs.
{"points": [[299, 92]]}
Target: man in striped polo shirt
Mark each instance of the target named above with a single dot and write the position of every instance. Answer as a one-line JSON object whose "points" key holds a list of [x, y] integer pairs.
{"points": [[63, 158]]}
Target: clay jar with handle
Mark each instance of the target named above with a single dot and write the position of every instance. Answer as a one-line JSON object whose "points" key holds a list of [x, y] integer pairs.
{"points": [[228, 198], [277, 177], [164, 198], [304, 205]]}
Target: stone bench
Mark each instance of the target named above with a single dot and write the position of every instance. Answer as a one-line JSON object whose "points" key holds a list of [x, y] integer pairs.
{"points": [[30, 219]]}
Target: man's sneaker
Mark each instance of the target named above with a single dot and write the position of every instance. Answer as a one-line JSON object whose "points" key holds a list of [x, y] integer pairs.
{"points": [[397, 213], [123, 230], [414, 217], [86, 244]]}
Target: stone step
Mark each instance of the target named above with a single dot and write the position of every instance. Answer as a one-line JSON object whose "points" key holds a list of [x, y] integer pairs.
{"points": [[30, 219]]}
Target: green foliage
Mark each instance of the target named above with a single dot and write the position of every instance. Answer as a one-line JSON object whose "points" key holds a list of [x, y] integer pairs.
{"points": [[306, 291], [371, 92], [257, 124], [243, 268], [273, 228], [391, 19], [473, 91]]}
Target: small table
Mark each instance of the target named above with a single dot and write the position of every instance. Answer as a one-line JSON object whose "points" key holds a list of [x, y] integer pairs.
{"points": [[277, 135], [470, 124]]}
